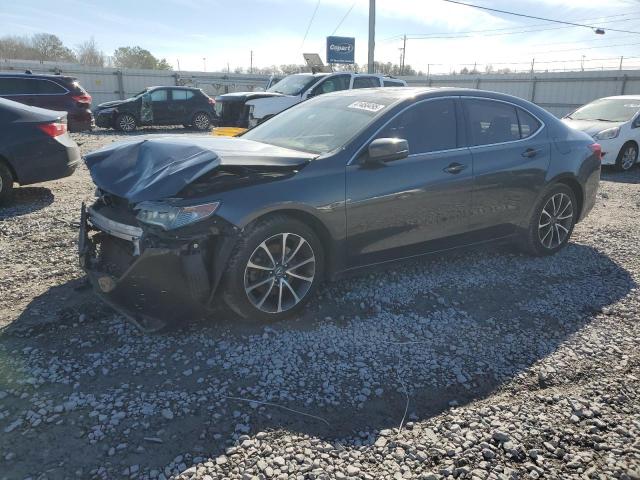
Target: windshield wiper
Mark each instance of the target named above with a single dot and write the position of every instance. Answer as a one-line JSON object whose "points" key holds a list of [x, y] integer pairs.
{"points": [[605, 120]]}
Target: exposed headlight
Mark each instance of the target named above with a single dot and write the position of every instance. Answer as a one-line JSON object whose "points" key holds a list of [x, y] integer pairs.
{"points": [[607, 134], [170, 217]]}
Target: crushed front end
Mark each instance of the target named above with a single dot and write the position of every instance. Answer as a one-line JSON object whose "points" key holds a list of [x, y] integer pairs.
{"points": [[152, 276]]}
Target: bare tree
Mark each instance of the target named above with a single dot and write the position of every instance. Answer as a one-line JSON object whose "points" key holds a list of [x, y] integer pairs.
{"points": [[88, 53], [50, 47]]}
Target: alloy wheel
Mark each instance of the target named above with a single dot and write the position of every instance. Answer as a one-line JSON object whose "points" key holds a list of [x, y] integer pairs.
{"points": [[279, 273], [127, 123], [629, 157], [555, 221], [201, 121]]}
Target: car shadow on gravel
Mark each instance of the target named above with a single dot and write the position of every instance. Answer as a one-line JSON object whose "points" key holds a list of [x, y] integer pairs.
{"points": [[631, 176], [26, 200], [372, 352]]}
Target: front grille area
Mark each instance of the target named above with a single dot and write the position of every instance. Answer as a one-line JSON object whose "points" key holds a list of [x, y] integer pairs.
{"points": [[233, 114], [112, 255]]}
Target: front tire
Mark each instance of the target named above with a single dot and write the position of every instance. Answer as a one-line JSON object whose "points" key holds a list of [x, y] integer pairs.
{"points": [[627, 157], [125, 122], [274, 270], [552, 222], [6, 184]]}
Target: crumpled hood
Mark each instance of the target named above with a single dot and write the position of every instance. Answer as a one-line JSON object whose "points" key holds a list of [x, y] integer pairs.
{"points": [[155, 168], [115, 103], [590, 127]]}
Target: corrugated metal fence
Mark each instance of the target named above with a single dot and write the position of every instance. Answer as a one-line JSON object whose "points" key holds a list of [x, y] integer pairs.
{"points": [[558, 92]]}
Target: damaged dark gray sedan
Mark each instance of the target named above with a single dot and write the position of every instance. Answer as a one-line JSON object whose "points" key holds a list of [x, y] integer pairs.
{"points": [[339, 182]]}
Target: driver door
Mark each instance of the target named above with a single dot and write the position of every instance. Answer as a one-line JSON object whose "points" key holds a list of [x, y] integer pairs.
{"points": [[417, 204]]}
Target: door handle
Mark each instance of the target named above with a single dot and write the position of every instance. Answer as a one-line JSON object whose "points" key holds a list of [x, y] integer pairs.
{"points": [[530, 153], [455, 168]]}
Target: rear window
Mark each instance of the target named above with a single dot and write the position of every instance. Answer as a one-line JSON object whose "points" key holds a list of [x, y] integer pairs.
{"points": [[48, 87], [366, 82], [392, 83], [181, 95]]}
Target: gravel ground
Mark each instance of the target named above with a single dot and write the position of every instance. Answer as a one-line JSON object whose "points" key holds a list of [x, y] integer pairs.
{"points": [[478, 364]]}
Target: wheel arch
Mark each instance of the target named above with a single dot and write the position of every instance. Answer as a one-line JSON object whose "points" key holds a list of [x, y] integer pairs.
{"points": [[5, 161], [318, 227], [577, 189]]}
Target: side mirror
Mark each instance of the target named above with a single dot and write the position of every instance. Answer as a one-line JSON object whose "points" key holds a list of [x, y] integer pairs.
{"points": [[387, 149]]}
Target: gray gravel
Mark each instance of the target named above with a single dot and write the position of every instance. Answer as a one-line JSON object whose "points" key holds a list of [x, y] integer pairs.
{"points": [[478, 364]]}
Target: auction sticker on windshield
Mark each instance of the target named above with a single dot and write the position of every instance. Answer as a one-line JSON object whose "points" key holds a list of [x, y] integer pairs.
{"points": [[368, 106]]}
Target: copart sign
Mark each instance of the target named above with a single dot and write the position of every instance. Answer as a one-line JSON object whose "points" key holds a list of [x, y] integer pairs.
{"points": [[341, 49]]}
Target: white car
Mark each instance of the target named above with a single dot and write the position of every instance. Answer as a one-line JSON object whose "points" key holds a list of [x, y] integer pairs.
{"points": [[614, 122], [247, 109]]}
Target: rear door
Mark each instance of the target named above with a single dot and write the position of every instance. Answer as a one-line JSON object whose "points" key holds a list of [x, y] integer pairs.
{"points": [[415, 204], [160, 101], [179, 106], [511, 154]]}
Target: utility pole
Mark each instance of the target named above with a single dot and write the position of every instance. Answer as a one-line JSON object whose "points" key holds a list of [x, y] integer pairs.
{"points": [[533, 64], [582, 63], [251, 63], [372, 35], [404, 53], [204, 63], [621, 58]]}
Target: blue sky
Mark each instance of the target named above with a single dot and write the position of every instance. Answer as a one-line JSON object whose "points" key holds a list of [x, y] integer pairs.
{"points": [[226, 31]]}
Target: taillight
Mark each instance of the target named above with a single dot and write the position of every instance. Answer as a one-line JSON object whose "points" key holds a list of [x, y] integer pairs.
{"points": [[54, 129], [596, 149], [84, 98]]}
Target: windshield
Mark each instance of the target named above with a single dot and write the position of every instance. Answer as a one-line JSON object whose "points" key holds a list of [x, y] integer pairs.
{"points": [[320, 125], [140, 93], [293, 84], [609, 110]]}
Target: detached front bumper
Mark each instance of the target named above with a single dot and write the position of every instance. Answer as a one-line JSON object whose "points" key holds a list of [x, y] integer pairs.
{"points": [[151, 282]]}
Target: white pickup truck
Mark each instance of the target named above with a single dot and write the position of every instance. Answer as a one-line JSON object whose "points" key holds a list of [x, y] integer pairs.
{"points": [[247, 109]]}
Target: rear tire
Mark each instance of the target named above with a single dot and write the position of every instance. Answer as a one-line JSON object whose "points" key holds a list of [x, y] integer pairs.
{"points": [[627, 157], [125, 122], [263, 284], [6, 184], [201, 122], [552, 222]]}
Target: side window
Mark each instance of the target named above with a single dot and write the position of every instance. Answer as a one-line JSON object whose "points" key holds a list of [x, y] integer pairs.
{"points": [[491, 122], [181, 95], [366, 82], [528, 123], [13, 86], [392, 83], [159, 95], [333, 84], [428, 127], [47, 87]]}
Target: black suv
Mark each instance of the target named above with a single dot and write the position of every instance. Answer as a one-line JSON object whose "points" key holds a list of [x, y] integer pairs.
{"points": [[186, 106], [53, 92]]}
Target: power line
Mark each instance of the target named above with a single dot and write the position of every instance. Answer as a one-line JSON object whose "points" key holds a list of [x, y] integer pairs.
{"points": [[343, 18], [592, 27], [518, 29], [310, 22], [456, 35]]}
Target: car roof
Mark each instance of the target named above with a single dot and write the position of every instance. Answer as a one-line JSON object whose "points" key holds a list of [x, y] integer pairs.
{"points": [[620, 97], [37, 75], [177, 87]]}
